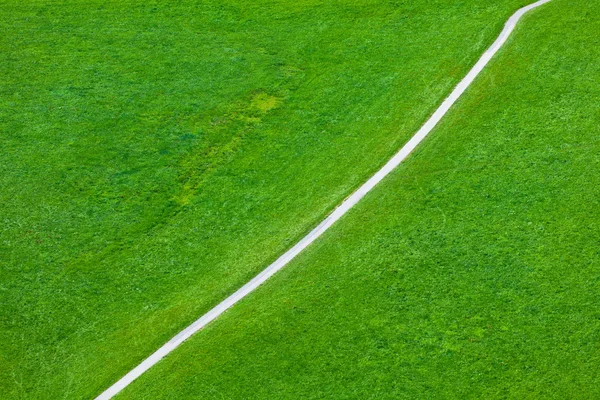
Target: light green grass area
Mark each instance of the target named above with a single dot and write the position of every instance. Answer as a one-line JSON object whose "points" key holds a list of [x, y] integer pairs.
{"points": [[472, 272], [155, 155]]}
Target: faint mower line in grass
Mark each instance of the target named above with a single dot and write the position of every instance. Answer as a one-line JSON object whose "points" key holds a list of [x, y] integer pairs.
{"points": [[330, 220]]}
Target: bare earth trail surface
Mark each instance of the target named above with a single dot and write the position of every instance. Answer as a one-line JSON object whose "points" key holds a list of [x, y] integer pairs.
{"points": [[331, 219]]}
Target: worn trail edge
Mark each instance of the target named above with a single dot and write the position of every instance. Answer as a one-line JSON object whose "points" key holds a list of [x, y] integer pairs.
{"points": [[327, 222]]}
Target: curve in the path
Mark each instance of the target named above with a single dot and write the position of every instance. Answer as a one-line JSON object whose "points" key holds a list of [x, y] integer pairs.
{"points": [[330, 220]]}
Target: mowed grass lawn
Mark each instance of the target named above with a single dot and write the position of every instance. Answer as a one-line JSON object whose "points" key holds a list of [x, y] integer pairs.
{"points": [[156, 155], [472, 272]]}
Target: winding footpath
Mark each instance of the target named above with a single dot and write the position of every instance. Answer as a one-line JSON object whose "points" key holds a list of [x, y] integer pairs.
{"points": [[330, 220]]}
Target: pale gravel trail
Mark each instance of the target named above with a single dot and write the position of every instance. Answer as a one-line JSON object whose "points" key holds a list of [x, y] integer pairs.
{"points": [[327, 222]]}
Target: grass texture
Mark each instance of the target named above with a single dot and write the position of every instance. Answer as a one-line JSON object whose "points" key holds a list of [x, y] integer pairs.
{"points": [[156, 155], [472, 272]]}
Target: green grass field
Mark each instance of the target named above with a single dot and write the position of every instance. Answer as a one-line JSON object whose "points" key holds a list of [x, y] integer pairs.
{"points": [[473, 272], [155, 155]]}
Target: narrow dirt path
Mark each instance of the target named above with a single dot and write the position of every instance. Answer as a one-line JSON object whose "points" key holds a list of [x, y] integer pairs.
{"points": [[330, 220]]}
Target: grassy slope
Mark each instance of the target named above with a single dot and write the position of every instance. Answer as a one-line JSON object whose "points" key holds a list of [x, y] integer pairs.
{"points": [[474, 271], [156, 155]]}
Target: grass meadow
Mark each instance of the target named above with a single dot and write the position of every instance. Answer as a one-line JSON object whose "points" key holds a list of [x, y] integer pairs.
{"points": [[155, 155]]}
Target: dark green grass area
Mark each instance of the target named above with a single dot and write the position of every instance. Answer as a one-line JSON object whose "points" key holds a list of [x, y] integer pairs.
{"points": [[472, 272], [156, 155]]}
